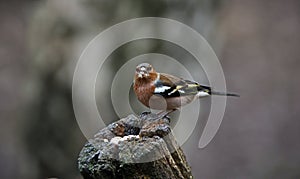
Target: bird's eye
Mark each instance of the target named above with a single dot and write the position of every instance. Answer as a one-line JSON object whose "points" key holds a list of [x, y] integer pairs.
{"points": [[149, 68]]}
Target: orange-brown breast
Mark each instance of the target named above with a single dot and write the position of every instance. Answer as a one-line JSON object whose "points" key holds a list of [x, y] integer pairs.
{"points": [[144, 89]]}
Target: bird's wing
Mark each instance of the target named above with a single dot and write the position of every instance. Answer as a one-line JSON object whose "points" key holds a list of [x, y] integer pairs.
{"points": [[171, 86]]}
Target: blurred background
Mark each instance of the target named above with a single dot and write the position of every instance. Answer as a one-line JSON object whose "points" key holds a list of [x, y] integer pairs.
{"points": [[257, 43]]}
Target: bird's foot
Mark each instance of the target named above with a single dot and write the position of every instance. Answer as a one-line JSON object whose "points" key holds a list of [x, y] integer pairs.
{"points": [[146, 115], [155, 124]]}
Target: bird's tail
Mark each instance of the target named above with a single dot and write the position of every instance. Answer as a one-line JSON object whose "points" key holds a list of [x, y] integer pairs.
{"points": [[208, 91], [212, 92]]}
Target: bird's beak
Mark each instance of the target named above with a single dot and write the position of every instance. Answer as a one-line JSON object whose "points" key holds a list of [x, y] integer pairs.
{"points": [[142, 74]]}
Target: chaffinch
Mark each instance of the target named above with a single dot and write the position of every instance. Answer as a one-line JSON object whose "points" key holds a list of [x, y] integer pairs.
{"points": [[167, 92]]}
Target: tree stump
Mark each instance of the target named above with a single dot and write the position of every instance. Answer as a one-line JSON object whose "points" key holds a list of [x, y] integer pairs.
{"points": [[134, 147]]}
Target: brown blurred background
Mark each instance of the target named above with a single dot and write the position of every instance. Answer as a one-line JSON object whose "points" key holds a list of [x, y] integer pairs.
{"points": [[256, 41]]}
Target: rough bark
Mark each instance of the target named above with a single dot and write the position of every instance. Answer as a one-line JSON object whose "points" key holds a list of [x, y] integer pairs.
{"points": [[134, 147]]}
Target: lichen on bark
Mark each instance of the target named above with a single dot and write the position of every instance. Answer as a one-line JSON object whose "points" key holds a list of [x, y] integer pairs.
{"points": [[134, 147]]}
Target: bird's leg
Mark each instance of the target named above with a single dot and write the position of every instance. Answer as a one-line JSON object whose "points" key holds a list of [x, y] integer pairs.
{"points": [[163, 114]]}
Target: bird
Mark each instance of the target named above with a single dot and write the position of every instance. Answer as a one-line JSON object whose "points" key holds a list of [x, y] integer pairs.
{"points": [[167, 92]]}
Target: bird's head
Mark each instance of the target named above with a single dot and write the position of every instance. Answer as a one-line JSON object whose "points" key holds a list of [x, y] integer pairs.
{"points": [[144, 70]]}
